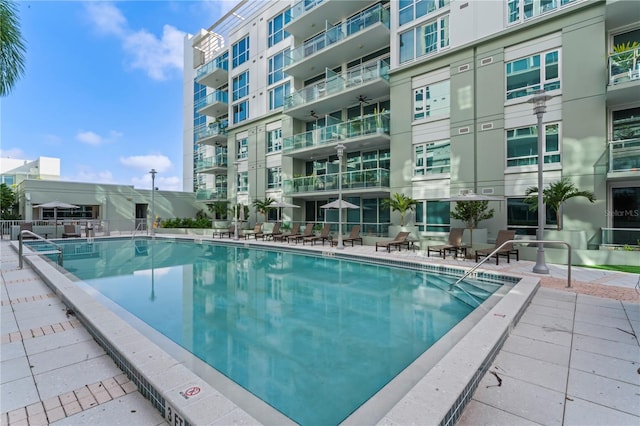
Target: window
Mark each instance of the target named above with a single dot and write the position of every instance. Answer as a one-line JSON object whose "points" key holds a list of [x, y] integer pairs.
{"points": [[437, 217], [522, 145], [240, 111], [240, 52], [241, 86], [408, 10], [431, 101], [274, 177], [522, 10], [276, 25], [526, 75], [431, 158], [243, 182], [428, 38], [274, 140], [242, 148], [276, 65], [524, 220], [278, 95], [626, 124]]}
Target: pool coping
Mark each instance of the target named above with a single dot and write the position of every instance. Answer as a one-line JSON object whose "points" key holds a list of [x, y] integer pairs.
{"points": [[183, 397]]}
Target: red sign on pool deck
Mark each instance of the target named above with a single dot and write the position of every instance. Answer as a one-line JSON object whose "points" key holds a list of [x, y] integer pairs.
{"points": [[192, 391]]}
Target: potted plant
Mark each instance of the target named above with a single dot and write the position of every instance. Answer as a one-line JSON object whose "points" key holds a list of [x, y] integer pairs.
{"points": [[623, 56], [471, 213], [400, 203], [263, 207], [220, 209], [555, 196]]}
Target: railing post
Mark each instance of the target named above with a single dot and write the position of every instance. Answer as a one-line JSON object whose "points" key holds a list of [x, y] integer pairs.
{"points": [[20, 249]]}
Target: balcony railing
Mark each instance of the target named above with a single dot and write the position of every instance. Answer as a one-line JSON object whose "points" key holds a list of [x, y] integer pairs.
{"points": [[212, 66], [624, 156], [213, 129], [218, 160], [302, 7], [339, 32], [621, 236], [624, 66], [370, 178], [337, 83], [355, 128], [215, 97], [211, 194]]}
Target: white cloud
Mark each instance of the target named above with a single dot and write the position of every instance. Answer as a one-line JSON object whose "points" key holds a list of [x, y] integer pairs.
{"points": [[92, 138], [86, 174], [163, 183], [157, 56], [16, 153], [159, 162]]}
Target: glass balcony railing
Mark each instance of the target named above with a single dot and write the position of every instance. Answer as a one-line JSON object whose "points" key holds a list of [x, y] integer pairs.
{"points": [[302, 7], [370, 178], [624, 66], [341, 31], [218, 160], [211, 194], [215, 97], [337, 83], [211, 66], [355, 128], [213, 129], [624, 156]]}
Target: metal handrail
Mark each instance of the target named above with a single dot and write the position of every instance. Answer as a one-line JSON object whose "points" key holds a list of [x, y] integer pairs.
{"points": [[20, 249], [139, 225], [472, 270]]}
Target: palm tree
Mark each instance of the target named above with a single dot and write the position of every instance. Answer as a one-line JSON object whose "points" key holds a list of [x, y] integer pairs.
{"points": [[556, 195], [11, 47], [400, 203], [263, 206]]}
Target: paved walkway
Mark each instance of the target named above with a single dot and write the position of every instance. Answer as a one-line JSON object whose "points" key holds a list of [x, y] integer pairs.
{"points": [[572, 359]]}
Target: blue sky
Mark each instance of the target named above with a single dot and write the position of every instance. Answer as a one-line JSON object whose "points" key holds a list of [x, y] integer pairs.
{"points": [[102, 89]]}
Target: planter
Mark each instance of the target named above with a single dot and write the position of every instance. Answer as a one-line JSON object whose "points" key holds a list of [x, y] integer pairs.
{"points": [[221, 224], [395, 229], [479, 236]]}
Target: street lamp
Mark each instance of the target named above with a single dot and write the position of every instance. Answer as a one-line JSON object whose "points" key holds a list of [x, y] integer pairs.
{"points": [[539, 100], [153, 201], [235, 209], [340, 149]]}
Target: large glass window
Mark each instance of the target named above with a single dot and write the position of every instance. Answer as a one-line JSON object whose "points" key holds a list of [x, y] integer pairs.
{"points": [[522, 10], [434, 157], [240, 111], [432, 101], [276, 25], [523, 220], [428, 38], [241, 86], [433, 216], [240, 52], [242, 148], [278, 95], [274, 177], [274, 140], [522, 145], [243, 182], [408, 10], [539, 71], [626, 124], [276, 65]]}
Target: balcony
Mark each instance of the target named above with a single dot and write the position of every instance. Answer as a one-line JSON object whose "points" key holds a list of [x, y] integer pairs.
{"points": [[214, 73], [624, 158], [214, 104], [371, 181], [367, 132], [211, 194], [361, 35], [306, 14], [214, 134], [212, 165], [338, 90], [624, 77]]}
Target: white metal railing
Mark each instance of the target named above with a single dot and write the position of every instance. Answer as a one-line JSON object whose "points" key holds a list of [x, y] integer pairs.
{"points": [[497, 249], [21, 253]]}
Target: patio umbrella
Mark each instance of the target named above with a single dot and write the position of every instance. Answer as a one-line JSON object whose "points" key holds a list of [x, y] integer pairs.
{"points": [[339, 204], [55, 205], [280, 205]]}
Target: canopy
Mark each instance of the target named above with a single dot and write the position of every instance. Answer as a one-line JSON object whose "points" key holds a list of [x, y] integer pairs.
{"points": [[57, 205], [281, 204], [339, 204]]}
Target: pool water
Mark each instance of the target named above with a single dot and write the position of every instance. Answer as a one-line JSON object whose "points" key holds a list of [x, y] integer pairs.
{"points": [[313, 336]]}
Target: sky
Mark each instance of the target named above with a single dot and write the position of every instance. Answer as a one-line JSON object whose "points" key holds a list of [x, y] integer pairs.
{"points": [[102, 89]]}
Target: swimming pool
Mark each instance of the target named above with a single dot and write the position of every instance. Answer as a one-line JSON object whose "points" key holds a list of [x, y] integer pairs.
{"points": [[301, 332]]}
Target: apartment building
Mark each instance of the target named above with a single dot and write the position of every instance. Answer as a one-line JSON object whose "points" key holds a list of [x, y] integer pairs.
{"points": [[428, 98]]}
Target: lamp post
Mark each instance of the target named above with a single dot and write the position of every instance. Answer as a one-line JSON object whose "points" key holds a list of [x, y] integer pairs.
{"points": [[340, 149], [235, 208], [153, 201], [539, 100]]}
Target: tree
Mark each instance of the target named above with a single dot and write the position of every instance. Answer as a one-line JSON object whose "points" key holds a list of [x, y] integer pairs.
{"points": [[7, 202], [263, 206], [555, 195], [400, 203], [220, 209], [471, 213], [12, 47]]}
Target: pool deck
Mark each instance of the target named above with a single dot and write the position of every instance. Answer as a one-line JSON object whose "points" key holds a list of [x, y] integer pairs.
{"points": [[571, 359]]}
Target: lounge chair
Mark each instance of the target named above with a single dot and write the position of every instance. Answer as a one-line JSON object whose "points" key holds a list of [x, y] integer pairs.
{"points": [[267, 235], [400, 240], [353, 236], [294, 231], [324, 235], [27, 226], [308, 232], [256, 230], [453, 244], [506, 251], [221, 232], [70, 232]]}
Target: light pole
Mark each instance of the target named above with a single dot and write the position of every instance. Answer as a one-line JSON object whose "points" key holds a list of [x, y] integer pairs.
{"points": [[153, 201], [340, 149], [235, 208], [539, 100]]}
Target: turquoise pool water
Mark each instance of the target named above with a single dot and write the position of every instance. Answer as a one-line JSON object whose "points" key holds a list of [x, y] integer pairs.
{"points": [[314, 337]]}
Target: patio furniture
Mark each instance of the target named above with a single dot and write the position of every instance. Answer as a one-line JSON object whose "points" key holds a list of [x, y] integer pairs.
{"points": [[454, 244], [506, 251], [400, 240]]}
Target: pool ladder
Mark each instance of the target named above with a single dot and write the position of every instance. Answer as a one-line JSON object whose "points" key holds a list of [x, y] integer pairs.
{"points": [[21, 253]]}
